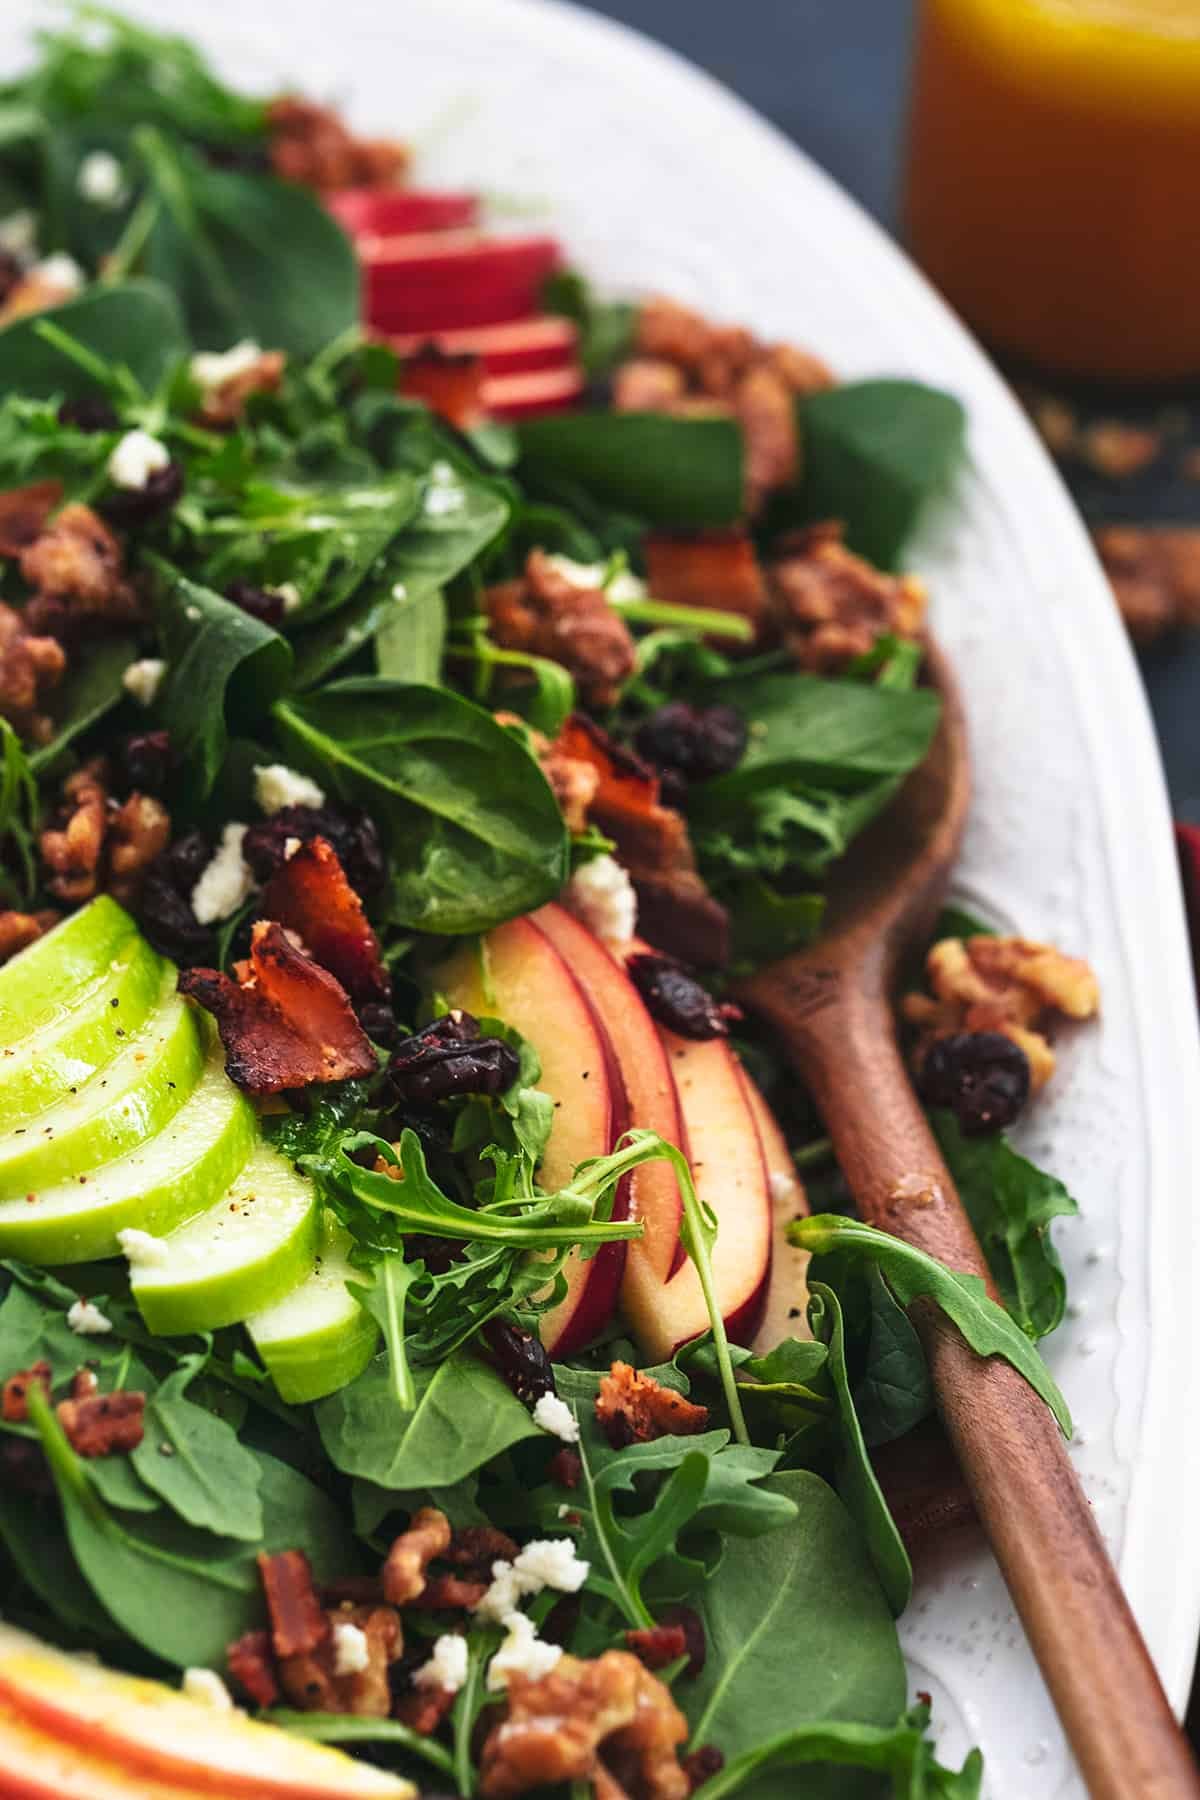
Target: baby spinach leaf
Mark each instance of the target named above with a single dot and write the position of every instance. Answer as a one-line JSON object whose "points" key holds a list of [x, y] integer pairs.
{"points": [[901, 1751], [32, 1534], [874, 453], [798, 1629], [1011, 1204], [476, 834], [893, 1393], [222, 664], [912, 1275], [606, 328], [133, 324], [664, 471], [412, 638], [91, 688], [196, 1463]]}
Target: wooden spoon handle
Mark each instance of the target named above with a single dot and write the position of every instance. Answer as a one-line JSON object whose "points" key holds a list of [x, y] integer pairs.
{"points": [[1024, 1486]]}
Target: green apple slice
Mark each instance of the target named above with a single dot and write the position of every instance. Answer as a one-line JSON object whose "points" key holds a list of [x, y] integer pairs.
{"points": [[156, 1187], [318, 1338], [257, 1243], [41, 979], [129, 1100], [58, 1056]]}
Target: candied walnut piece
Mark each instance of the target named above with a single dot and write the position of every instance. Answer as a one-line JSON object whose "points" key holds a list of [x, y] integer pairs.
{"points": [[72, 852], [138, 831], [832, 605], [609, 1721], [287, 1021], [29, 664], [427, 1537], [310, 144], [24, 512], [449, 385], [311, 1681], [102, 1424], [224, 404], [648, 384], [251, 1663], [14, 1407], [763, 404], [78, 558], [708, 568], [19, 929], [310, 895], [298, 1624], [633, 1408], [1155, 575], [33, 293], [545, 613]]}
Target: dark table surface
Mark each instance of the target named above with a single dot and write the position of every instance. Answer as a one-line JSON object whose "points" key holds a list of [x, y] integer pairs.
{"points": [[833, 75]]}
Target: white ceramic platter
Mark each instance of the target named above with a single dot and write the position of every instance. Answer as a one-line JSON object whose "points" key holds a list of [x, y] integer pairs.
{"points": [[656, 178]]}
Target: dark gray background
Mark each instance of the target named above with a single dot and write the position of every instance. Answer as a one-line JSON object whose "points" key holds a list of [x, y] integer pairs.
{"points": [[833, 75]]}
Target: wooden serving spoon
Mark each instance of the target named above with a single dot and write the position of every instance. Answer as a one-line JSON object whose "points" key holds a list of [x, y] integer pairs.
{"points": [[832, 1007]]}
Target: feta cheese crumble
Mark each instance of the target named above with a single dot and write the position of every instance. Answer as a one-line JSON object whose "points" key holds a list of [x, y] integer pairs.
{"points": [[60, 271], [601, 895], [551, 1563], [555, 1416], [226, 882], [85, 1318], [504, 1595], [101, 179], [143, 679], [447, 1667], [277, 786], [521, 1653], [213, 368], [351, 1652], [619, 584], [142, 1250], [206, 1686], [18, 235], [289, 593], [136, 458]]}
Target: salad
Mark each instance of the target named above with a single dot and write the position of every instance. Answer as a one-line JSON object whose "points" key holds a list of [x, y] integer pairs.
{"points": [[432, 1324]]}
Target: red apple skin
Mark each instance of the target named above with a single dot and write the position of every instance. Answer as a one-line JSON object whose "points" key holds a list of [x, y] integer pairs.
{"points": [[521, 348], [785, 1313], [528, 396], [531, 988], [653, 1104], [440, 281], [395, 212]]}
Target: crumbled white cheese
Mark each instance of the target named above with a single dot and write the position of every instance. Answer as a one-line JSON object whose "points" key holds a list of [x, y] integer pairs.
{"points": [[289, 593], [60, 271], [85, 1318], [193, 613], [18, 235], [101, 179], [554, 1415], [564, 1509], [601, 894], [206, 1686], [551, 1563], [783, 1186], [521, 1653], [440, 500], [135, 458], [277, 786], [143, 679], [351, 1652], [447, 1667], [213, 368], [399, 591], [618, 583], [505, 1594], [142, 1250], [226, 882], [290, 847]]}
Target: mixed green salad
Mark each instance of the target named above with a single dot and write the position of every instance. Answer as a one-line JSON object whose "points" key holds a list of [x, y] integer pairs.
{"points": [[407, 1315]]}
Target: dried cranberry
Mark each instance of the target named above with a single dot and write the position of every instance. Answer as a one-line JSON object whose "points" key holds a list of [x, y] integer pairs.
{"points": [[692, 1626], [702, 1764], [693, 743], [259, 602], [677, 1000], [88, 412], [522, 1360], [145, 760], [353, 835], [130, 507], [165, 904], [11, 274], [982, 1076], [448, 1059], [24, 1469], [379, 1022]]}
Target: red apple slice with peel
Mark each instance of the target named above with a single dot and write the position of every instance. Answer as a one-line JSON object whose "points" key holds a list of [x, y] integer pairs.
{"points": [[517, 974], [443, 280], [519, 348], [395, 212], [525, 396], [786, 1311], [652, 1101]]}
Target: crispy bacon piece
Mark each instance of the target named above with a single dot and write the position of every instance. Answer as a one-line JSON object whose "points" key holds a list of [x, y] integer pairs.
{"points": [[14, 1407], [251, 1663], [449, 385], [29, 664], [287, 1021], [708, 568], [657, 1645], [24, 512], [423, 1709], [633, 1408], [311, 1681], [298, 1625], [100, 1424], [427, 1536], [311, 896]]}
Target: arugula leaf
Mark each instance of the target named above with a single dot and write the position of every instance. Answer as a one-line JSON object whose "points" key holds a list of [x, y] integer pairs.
{"points": [[893, 1393], [196, 1463], [664, 471], [383, 1301], [912, 1275], [476, 833], [901, 1751], [623, 1550], [1011, 1203], [136, 325]]}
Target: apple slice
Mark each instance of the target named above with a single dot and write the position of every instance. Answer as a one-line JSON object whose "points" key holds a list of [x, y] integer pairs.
{"points": [[545, 342], [652, 1102], [128, 1100], [785, 1313], [40, 980], [317, 1338], [521, 396], [519, 976], [443, 280], [67, 1050], [393, 212], [71, 1730], [156, 1187], [252, 1247]]}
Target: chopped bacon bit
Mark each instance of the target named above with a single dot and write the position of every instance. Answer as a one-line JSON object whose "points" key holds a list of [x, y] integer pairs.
{"points": [[287, 1023], [544, 613], [404, 1571], [632, 1408], [298, 1625], [18, 930], [449, 385], [251, 1663], [311, 145], [102, 1424], [78, 557], [310, 1679], [14, 1408], [657, 1645], [224, 404], [566, 1468], [708, 568], [310, 895], [24, 512], [29, 664], [423, 1709]]}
